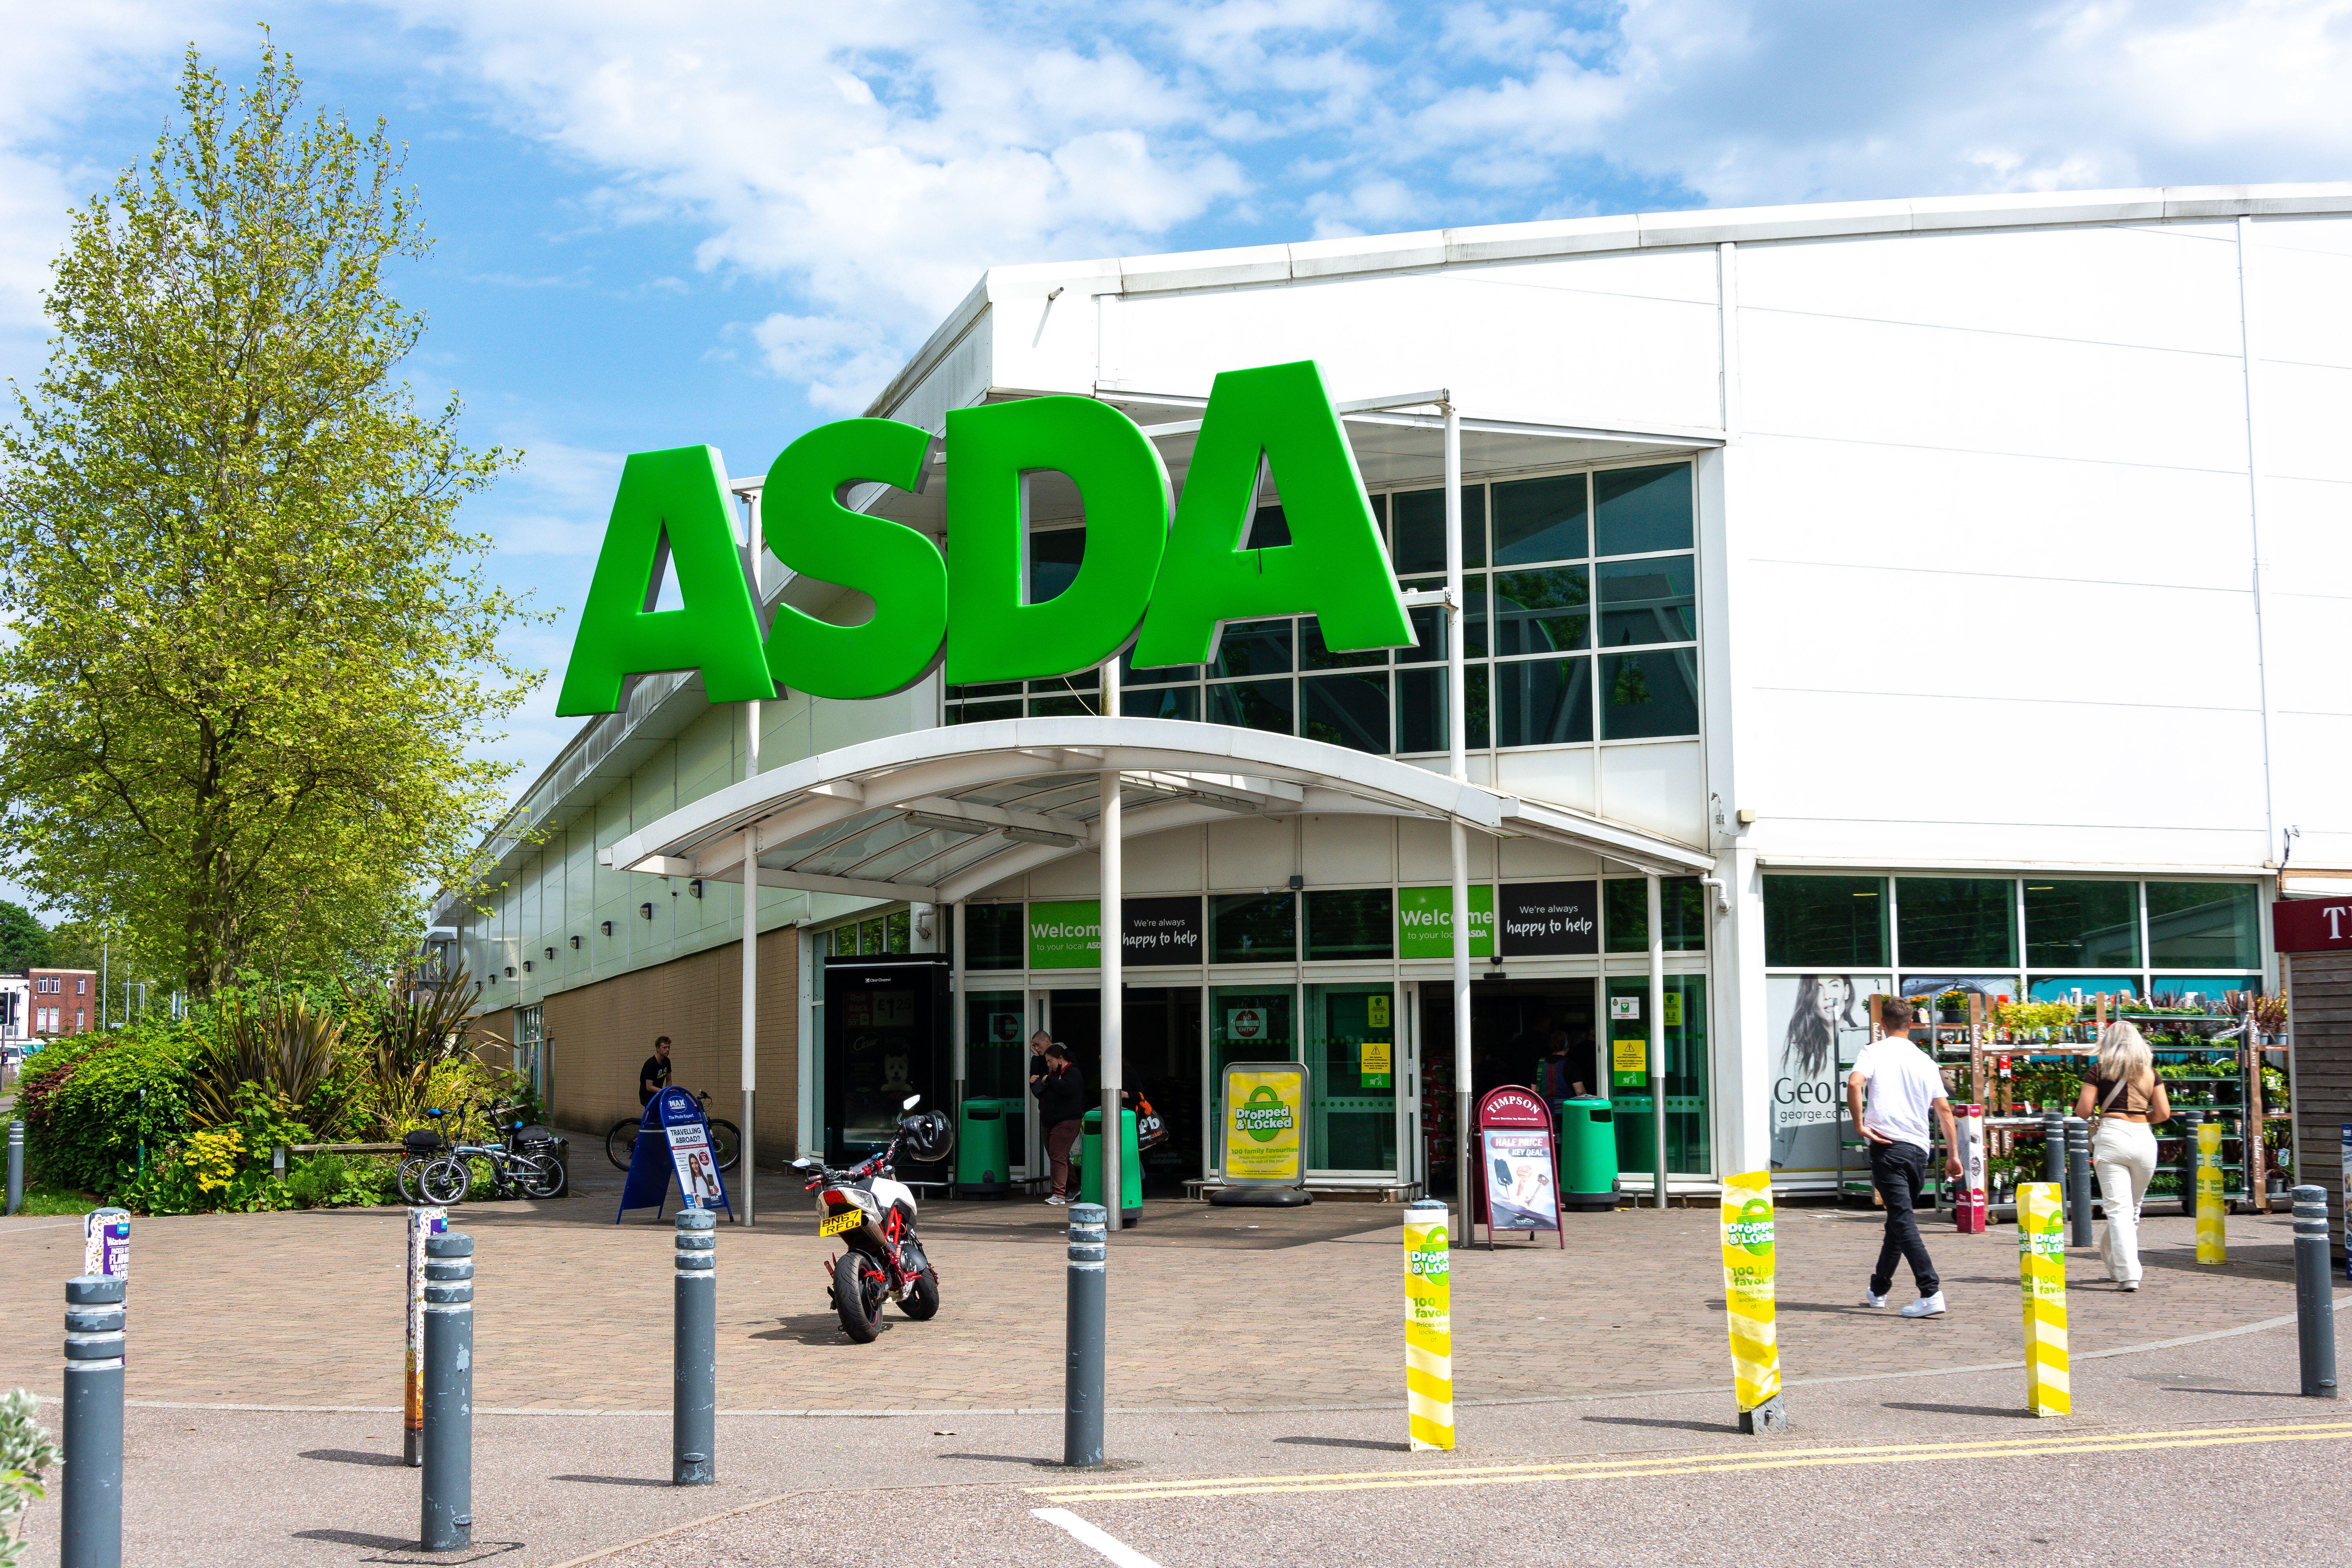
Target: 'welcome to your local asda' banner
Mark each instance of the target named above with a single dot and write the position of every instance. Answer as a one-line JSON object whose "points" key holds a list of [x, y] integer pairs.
{"points": [[1068, 933], [1425, 921], [1164, 576]]}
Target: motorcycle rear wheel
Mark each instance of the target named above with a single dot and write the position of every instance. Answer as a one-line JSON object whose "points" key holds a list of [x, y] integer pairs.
{"points": [[857, 1296], [922, 1303]]}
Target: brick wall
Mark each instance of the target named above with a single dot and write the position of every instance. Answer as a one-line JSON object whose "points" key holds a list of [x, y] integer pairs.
{"points": [[598, 1035], [67, 1000]]}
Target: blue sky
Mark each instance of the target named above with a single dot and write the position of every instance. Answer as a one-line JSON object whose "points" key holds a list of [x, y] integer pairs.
{"points": [[725, 223]]}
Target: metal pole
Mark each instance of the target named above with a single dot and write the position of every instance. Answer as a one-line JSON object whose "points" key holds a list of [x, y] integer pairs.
{"points": [[16, 1166], [90, 1526], [751, 1069], [2314, 1294], [1082, 1389], [959, 1033], [1657, 1034], [2078, 1181], [1114, 995], [1458, 749], [448, 1439], [694, 1401], [2054, 1148]]}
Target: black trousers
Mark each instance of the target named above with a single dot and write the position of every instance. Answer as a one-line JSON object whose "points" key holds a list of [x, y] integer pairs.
{"points": [[1899, 1172]]}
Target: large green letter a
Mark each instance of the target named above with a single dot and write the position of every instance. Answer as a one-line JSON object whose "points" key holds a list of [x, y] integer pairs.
{"points": [[1333, 568], [671, 511]]}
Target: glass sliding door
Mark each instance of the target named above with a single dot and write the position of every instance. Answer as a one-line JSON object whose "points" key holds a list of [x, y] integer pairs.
{"points": [[996, 1060], [1688, 1151], [1351, 1123], [1247, 1024]]}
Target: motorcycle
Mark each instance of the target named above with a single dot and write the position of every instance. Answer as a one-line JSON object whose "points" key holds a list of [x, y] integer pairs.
{"points": [[873, 1214]]}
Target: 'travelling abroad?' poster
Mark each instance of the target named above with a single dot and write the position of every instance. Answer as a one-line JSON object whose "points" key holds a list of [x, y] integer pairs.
{"points": [[1819, 1024]]}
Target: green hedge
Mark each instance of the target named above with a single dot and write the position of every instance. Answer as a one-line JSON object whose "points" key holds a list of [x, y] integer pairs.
{"points": [[90, 1101]]}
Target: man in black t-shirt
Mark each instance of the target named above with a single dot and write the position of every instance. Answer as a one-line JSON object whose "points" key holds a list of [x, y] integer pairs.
{"points": [[653, 1076]]}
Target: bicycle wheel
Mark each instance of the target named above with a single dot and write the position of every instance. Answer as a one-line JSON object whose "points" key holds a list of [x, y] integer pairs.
{"points": [[541, 1176], [726, 1143], [444, 1181], [405, 1174], [621, 1142]]}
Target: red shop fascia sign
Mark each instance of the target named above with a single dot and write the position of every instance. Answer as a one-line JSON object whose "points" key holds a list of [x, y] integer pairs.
{"points": [[2312, 925]]}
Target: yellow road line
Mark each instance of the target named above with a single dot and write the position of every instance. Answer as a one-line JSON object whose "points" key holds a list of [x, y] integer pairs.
{"points": [[1700, 1464]]}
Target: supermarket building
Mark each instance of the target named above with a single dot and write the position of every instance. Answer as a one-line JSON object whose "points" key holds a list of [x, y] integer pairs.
{"points": [[1879, 595]]}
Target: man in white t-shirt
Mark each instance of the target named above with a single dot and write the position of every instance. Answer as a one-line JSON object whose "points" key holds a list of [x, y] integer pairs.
{"points": [[1904, 1086]]}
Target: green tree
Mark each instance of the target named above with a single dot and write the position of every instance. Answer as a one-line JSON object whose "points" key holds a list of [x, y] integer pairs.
{"points": [[250, 643], [24, 940]]}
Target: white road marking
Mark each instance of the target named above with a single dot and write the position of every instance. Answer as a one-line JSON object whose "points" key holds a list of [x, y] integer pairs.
{"points": [[20, 1229], [1110, 1546]]}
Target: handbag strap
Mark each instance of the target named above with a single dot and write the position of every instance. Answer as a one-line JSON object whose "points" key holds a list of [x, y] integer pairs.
{"points": [[2121, 1084]]}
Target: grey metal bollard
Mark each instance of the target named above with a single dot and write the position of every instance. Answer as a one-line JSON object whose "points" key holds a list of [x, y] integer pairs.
{"points": [[16, 1166], [2054, 1148], [2078, 1181], [448, 1439], [1082, 1389], [694, 1401], [2314, 1294], [90, 1530]]}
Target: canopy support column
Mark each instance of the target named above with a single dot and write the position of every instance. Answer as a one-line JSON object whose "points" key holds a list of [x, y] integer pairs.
{"points": [[751, 965], [1114, 932], [959, 1040], [1457, 743], [1657, 1033]]}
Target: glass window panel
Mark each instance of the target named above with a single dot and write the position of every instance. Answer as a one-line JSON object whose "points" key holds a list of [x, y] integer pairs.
{"points": [[1428, 628], [1544, 701], [1350, 711], [1252, 705], [1682, 910], [1247, 1024], [1351, 922], [1543, 612], [2082, 925], [1825, 922], [1001, 689], [1087, 680], [994, 940], [1268, 528], [1253, 928], [2203, 925], [1473, 615], [1153, 675], [2061, 988], [2210, 991], [1541, 519], [1637, 509], [1060, 707], [1351, 1122], [871, 937], [895, 929], [1420, 709], [980, 712], [1655, 600], [1625, 914], [1420, 518], [996, 1058], [1648, 694], [1054, 558], [1957, 922], [1253, 648], [1160, 702], [1314, 654]]}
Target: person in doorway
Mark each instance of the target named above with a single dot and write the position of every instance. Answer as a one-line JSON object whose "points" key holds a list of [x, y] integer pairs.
{"points": [[653, 1076], [1038, 1066], [2129, 1100], [1904, 1088], [1060, 1103]]}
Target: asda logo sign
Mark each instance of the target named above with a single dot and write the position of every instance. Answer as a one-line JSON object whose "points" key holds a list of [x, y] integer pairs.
{"points": [[1161, 573]]}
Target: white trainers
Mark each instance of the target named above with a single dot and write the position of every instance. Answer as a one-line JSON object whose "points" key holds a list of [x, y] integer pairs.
{"points": [[1057, 1199], [1871, 1298], [1925, 1307]]}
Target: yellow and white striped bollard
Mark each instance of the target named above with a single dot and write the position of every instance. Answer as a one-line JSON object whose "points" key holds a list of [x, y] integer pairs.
{"points": [[2041, 1277], [1428, 1327], [2212, 1208], [1748, 1300]]}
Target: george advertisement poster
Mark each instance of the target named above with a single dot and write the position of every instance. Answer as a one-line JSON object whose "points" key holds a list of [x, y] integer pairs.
{"points": [[1265, 1118], [1819, 1024], [1520, 1195]]}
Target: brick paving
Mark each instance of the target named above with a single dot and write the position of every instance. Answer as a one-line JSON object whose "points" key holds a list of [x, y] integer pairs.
{"points": [[1210, 1308]]}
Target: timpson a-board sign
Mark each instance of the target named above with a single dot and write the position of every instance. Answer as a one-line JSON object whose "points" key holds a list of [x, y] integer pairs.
{"points": [[1161, 573]]}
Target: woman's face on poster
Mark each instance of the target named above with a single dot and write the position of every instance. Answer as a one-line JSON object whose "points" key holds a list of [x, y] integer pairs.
{"points": [[1833, 996]]}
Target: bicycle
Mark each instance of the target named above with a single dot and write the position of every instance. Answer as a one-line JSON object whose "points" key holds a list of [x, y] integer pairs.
{"points": [[533, 1173], [421, 1148], [726, 1138]]}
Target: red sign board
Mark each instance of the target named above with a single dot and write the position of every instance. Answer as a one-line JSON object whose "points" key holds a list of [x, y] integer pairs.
{"points": [[1511, 1106], [1518, 1164], [2312, 925]]}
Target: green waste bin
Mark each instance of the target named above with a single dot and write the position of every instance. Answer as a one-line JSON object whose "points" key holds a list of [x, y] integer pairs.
{"points": [[1588, 1154], [1130, 1164], [983, 1165]]}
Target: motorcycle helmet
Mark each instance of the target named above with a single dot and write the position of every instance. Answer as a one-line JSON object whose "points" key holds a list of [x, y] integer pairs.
{"points": [[928, 1137]]}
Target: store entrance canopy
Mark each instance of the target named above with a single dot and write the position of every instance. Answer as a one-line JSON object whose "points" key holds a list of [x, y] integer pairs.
{"points": [[936, 815]]}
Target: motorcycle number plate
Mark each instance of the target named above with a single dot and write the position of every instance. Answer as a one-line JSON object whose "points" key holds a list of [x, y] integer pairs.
{"points": [[842, 1222]]}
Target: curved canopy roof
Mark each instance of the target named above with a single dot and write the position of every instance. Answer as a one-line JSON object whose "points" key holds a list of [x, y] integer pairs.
{"points": [[936, 815]]}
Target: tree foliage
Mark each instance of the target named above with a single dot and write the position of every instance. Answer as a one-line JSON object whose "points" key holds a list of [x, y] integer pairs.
{"points": [[251, 643], [24, 940]]}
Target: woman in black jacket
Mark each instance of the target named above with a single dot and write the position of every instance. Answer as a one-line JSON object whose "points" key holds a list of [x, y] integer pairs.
{"points": [[1060, 1103]]}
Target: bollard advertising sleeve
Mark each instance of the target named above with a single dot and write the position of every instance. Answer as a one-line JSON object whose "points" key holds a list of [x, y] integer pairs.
{"points": [[1749, 1287], [422, 1222], [2042, 1280], [1968, 1212], [1428, 1327], [2212, 1222]]}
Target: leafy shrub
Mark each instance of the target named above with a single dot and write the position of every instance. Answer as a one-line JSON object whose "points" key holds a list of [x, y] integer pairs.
{"points": [[89, 1108], [25, 1452], [340, 1181], [283, 1045]]}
